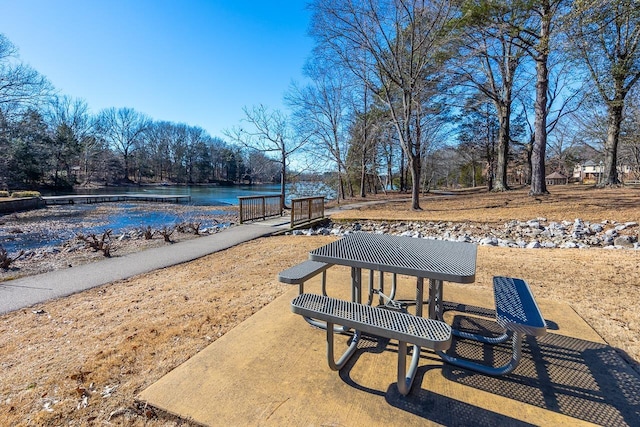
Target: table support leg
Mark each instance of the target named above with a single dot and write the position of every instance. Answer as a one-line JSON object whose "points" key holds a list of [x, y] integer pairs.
{"points": [[435, 299], [336, 366], [356, 284], [420, 296], [370, 296]]}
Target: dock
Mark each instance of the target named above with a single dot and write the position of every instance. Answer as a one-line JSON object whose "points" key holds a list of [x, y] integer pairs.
{"points": [[103, 198]]}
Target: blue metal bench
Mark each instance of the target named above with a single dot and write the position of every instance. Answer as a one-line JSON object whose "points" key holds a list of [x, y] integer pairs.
{"points": [[406, 328], [517, 313]]}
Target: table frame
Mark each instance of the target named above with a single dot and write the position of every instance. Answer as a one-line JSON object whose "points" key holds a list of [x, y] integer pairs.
{"points": [[436, 260]]}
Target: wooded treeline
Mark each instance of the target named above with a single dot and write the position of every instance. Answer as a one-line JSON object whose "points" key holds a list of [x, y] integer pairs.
{"points": [[47, 140], [402, 94], [473, 92]]}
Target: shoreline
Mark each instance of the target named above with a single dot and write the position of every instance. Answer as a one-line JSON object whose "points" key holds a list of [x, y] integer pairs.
{"points": [[57, 228]]}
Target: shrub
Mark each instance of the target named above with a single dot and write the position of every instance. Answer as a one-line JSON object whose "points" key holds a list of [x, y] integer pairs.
{"points": [[98, 244], [4, 194], [20, 194], [6, 260]]}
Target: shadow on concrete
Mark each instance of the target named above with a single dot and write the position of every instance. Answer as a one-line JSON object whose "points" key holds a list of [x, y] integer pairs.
{"points": [[420, 402], [578, 378], [574, 377]]}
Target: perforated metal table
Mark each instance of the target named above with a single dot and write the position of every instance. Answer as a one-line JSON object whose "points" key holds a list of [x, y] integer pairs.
{"points": [[436, 260]]}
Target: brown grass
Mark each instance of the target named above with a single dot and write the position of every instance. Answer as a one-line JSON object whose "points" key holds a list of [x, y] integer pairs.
{"points": [[564, 203], [124, 336]]}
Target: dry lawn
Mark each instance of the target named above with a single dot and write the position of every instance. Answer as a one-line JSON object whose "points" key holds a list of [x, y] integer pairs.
{"points": [[564, 203], [84, 358]]}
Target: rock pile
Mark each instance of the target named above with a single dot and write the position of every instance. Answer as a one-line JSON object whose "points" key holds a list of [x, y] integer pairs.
{"points": [[532, 234]]}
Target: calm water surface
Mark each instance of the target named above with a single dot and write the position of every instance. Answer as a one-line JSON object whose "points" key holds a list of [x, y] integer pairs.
{"points": [[56, 224], [200, 195]]}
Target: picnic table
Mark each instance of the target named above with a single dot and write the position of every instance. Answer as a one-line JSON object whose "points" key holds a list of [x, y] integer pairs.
{"points": [[435, 260]]}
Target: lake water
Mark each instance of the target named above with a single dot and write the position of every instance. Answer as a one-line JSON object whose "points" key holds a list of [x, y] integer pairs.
{"points": [[216, 195], [56, 224], [200, 195]]}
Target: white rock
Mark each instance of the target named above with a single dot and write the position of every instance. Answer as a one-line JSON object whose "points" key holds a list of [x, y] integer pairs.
{"points": [[569, 245], [596, 228], [489, 241]]}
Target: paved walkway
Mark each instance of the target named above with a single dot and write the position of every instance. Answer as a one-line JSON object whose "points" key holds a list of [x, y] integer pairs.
{"points": [[27, 291]]}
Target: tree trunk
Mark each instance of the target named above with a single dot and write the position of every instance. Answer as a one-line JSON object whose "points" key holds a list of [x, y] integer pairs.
{"points": [[611, 146], [538, 153], [415, 180], [363, 173], [340, 183], [283, 179], [403, 184], [500, 182]]}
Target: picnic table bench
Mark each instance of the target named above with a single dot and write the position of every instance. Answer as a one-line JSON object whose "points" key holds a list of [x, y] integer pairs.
{"points": [[380, 322], [517, 312], [300, 273]]}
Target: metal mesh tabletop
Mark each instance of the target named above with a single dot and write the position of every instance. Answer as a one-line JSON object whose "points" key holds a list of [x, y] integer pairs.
{"points": [[434, 259]]}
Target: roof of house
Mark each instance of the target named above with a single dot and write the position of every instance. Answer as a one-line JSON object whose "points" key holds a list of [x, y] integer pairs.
{"points": [[556, 175]]}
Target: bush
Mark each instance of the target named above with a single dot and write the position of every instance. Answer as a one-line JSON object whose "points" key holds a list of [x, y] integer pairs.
{"points": [[4, 194], [21, 194]]}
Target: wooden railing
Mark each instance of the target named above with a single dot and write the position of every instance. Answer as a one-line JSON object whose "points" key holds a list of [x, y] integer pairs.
{"points": [[259, 207], [306, 209]]}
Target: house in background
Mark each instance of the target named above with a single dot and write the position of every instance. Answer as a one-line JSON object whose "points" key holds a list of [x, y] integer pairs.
{"points": [[591, 172]]}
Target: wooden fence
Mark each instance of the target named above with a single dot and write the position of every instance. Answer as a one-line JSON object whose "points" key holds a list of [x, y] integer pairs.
{"points": [[306, 209], [259, 207]]}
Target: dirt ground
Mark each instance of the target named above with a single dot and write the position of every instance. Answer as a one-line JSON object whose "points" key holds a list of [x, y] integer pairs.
{"points": [[82, 359]]}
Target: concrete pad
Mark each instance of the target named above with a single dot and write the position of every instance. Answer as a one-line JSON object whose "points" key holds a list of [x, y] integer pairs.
{"points": [[272, 370]]}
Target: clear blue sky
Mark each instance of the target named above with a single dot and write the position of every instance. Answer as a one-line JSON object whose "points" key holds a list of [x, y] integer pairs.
{"points": [[193, 61]]}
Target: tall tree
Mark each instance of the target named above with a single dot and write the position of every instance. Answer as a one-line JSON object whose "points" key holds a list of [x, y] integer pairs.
{"points": [[29, 158], [607, 38], [123, 129], [75, 131], [269, 132], [395, 47], [320, 111], [545, 13], [20, 85], [478, 137], [492, 53]]}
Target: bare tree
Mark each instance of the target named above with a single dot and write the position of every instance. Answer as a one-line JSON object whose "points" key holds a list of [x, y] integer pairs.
{"points": [[20, 85], [123, 129], [268, 132], [394, 47], [630, 135], [321, 113], [73, 114], [607, 38]]}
